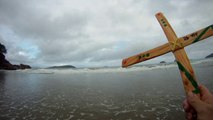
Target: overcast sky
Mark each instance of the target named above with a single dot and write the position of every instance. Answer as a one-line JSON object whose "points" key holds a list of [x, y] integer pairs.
{"points": [[87, 33]]}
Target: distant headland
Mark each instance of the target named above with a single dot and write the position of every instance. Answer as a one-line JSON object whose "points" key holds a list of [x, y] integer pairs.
{"points": [[62, 67]]}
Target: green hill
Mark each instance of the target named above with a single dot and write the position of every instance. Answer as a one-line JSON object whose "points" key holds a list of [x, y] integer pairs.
{"points": [[62, 67]]}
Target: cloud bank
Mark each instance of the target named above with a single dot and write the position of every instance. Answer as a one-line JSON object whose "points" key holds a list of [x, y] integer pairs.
{"points": [[96, 33]]}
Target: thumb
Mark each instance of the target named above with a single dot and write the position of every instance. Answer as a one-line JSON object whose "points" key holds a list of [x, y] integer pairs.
{"points": [[195, 101]]}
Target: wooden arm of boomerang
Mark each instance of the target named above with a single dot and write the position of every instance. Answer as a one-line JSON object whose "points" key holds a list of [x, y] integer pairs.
{"points": [[163, 49], [197, 36], [186, 71]]}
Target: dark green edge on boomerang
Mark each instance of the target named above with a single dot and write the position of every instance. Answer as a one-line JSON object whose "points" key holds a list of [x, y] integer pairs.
{"points": [[202, 33], [190, 78]]}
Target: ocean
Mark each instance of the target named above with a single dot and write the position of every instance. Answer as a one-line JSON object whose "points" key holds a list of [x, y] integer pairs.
{"points": [[150, 92]]}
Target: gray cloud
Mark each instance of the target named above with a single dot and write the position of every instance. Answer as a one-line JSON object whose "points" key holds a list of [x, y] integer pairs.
{"points": [[95, 33]]}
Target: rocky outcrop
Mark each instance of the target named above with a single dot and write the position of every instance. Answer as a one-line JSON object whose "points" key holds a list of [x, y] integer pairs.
{"points": [[6, 65], [22, 66]]}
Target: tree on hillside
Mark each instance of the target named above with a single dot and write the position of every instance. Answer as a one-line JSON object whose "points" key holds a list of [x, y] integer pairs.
{"points": [[3, 49]]}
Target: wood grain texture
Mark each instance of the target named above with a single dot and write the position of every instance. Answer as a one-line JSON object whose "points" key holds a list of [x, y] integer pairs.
{"points": [[186, 70]]}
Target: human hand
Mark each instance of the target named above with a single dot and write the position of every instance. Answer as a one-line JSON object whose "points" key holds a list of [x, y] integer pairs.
{"points": [[199, 109]]}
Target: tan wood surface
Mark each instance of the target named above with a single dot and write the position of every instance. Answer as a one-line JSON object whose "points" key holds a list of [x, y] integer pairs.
{"points": [[186, 71], [197, 36], [163, 49]]}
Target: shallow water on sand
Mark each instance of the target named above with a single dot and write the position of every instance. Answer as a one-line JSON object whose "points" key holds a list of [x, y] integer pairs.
{"points": [[155, 94]]}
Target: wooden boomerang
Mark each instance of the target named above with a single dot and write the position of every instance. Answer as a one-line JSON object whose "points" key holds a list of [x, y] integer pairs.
{"points": [[175, 45]]}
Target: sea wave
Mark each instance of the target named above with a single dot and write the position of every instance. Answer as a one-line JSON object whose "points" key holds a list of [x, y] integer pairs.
{"points": [[114, 69], [98, 70]]}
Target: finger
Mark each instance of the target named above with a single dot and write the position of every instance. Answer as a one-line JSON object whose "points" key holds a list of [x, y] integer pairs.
{"points": [[206, 95], [186, 106], [204, 90], [194, 116], [189, 116], [192, 110], [195, 101]]}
